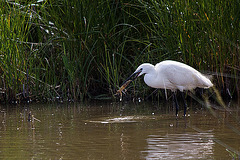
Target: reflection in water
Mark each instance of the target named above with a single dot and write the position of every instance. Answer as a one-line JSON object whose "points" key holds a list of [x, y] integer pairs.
{"points": [[121, 119], [113, 132], [180, 146]]}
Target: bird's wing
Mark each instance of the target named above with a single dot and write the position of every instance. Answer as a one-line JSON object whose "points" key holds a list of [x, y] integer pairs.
{"points": [[182, 77]]}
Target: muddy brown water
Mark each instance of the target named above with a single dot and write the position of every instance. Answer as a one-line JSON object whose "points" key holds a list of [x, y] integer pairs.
{"points": [[118, 131]]}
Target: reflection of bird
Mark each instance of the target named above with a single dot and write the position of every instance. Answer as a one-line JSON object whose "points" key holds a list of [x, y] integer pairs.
{"points": [[171, 75]]}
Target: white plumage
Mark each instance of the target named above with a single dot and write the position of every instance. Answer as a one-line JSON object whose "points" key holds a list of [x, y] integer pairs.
{"points": [[171, 75]]}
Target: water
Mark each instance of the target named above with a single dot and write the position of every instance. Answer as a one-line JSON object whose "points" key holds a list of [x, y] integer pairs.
{"points": [[117, 131]]}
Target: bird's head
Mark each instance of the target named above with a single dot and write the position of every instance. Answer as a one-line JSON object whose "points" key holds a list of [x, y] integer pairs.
{"points": [[142, 69], [134, 75]]}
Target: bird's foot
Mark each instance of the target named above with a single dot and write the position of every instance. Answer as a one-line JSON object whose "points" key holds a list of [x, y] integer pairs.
{"points": [[176, 116]]}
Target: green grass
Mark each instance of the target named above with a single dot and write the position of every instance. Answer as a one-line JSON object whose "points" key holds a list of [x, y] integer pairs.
{"points": [[73, 50]]}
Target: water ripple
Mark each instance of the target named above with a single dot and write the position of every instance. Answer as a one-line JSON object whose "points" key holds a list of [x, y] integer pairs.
{"points": [[179, 146]]}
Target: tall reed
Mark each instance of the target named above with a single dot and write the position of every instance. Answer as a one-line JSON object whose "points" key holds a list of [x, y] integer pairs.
{"points": [[13, 50], [71, 50]]}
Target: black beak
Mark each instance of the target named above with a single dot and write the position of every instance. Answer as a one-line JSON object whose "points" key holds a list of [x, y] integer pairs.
{"points": [[133, 76]]}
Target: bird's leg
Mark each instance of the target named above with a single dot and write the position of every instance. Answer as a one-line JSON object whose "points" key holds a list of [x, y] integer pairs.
{"points": [[176, 103], [185, 104]]}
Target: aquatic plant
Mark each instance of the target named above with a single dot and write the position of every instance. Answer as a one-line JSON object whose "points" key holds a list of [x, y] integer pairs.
{"points": [[70, 50]]}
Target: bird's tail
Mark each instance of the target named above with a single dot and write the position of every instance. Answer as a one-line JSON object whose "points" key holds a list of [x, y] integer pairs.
{"points": [[206, 82]]}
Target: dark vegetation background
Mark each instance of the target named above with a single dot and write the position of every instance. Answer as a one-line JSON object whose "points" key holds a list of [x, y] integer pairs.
{"points": [[75, 50]]}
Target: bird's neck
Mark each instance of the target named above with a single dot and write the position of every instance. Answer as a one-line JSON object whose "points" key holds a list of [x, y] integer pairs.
{"points": [[151, 77]]}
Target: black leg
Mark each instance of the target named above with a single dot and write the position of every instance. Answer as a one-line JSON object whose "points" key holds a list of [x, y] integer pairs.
{"points": [[176, 103], [185, 104]]}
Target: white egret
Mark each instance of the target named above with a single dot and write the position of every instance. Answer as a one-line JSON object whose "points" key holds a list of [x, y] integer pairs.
{"points": [[171, 75]]}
